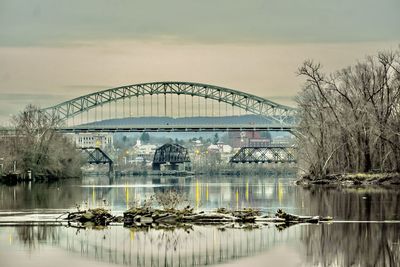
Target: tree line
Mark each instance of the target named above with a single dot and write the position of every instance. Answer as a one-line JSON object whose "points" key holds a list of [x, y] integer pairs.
{"points": [[349, 120], [36, 147]]}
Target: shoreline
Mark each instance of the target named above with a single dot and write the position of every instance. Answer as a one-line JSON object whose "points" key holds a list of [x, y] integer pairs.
{"points": [[352, 179]]}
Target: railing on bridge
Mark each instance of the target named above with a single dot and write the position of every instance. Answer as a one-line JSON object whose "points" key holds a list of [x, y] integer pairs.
{"points": [[174, 128]]}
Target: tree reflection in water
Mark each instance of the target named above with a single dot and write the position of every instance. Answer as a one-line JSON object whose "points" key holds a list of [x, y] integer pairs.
{"points": [[352, 203], [33, 236], [353, 244], [61, 194], [370, 242]]}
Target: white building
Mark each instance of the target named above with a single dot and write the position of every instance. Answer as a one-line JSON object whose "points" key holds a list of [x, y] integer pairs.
{"points": [[100, 140], [146, 150], [221, 148]]}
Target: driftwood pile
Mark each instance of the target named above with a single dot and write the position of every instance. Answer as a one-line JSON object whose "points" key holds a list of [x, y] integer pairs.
{"points": [[169, 218], [300, 219], [97, 216], [150, 216]]}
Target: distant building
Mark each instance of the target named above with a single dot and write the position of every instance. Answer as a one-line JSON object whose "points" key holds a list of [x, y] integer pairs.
{"points": [[248, 138], [283, 140], [100, 140], [146, 150], [262, 142], [224, 152], [220, 147]]}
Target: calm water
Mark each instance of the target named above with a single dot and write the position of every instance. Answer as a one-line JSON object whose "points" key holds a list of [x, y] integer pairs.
{"points": [[365, 232]]}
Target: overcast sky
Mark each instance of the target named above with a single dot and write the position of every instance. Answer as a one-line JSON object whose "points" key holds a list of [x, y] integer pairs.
{"points": [[51, 51]]}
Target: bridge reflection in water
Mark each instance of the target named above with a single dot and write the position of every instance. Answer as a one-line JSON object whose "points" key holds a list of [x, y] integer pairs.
{"points": [[203, 245]]}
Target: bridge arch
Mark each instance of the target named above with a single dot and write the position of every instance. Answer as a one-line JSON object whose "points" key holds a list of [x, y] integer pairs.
{"points": [[250, 103]]}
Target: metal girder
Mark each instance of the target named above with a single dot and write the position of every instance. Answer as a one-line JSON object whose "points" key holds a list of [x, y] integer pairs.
{"points": [[284, 115], [172, 153], [97, 156], [269, 154], [174, 128]]}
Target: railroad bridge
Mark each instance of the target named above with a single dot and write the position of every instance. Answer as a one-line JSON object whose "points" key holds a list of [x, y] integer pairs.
{"points": [[95, 155], [173, 155], [265, 154]]}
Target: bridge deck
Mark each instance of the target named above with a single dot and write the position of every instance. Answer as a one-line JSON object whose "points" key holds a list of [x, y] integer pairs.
{"points": [[174, 128]]}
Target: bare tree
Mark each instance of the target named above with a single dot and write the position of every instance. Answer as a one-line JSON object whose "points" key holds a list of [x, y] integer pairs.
{"points": [[350, 118], [38, 148]]}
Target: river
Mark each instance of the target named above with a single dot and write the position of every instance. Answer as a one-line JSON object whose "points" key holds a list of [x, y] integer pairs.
{"points": [[365, 230]]}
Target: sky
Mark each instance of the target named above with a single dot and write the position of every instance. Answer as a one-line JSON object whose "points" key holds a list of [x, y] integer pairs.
{"points": [[52, 51]]}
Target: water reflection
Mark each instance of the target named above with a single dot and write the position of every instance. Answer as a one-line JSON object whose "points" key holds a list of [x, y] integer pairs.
{"points": [[206, 245], [33, 236], [204, 193], [337, 244], [366, 243], [352, 203], [358, 237], [353, 244], [62, 194]]}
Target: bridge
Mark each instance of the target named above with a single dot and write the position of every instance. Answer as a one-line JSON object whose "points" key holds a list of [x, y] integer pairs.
{"points": [[173, 128], [108, 110], [178, 107], [172, 154], [95, 155], [265, 154]]}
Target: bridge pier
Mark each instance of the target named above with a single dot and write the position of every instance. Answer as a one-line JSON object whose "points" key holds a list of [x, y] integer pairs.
{"points": [[111, 168]]}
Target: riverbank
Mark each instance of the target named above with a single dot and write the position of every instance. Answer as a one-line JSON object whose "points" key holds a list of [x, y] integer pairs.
{"points": [[17, 177], [353, 179]]}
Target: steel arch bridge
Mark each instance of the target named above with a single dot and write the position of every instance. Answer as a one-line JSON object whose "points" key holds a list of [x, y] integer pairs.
{"points": [[281, 115]]}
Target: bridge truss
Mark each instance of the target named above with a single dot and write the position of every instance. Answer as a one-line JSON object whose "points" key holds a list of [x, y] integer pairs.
{"points": [[97, 156], [172, 154], [248, 103], [268, 154], [173, 128]]}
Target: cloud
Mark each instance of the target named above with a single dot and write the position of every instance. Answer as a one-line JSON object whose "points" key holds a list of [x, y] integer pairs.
{"points": [[49, 22], [11, 104]]}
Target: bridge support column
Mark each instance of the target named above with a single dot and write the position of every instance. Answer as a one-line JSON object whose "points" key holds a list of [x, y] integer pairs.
{"points": [[156, 167], [110, 167]]}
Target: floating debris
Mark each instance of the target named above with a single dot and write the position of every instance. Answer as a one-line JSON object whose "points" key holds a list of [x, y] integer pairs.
{"points": [[97, 216], [147, 217]]}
